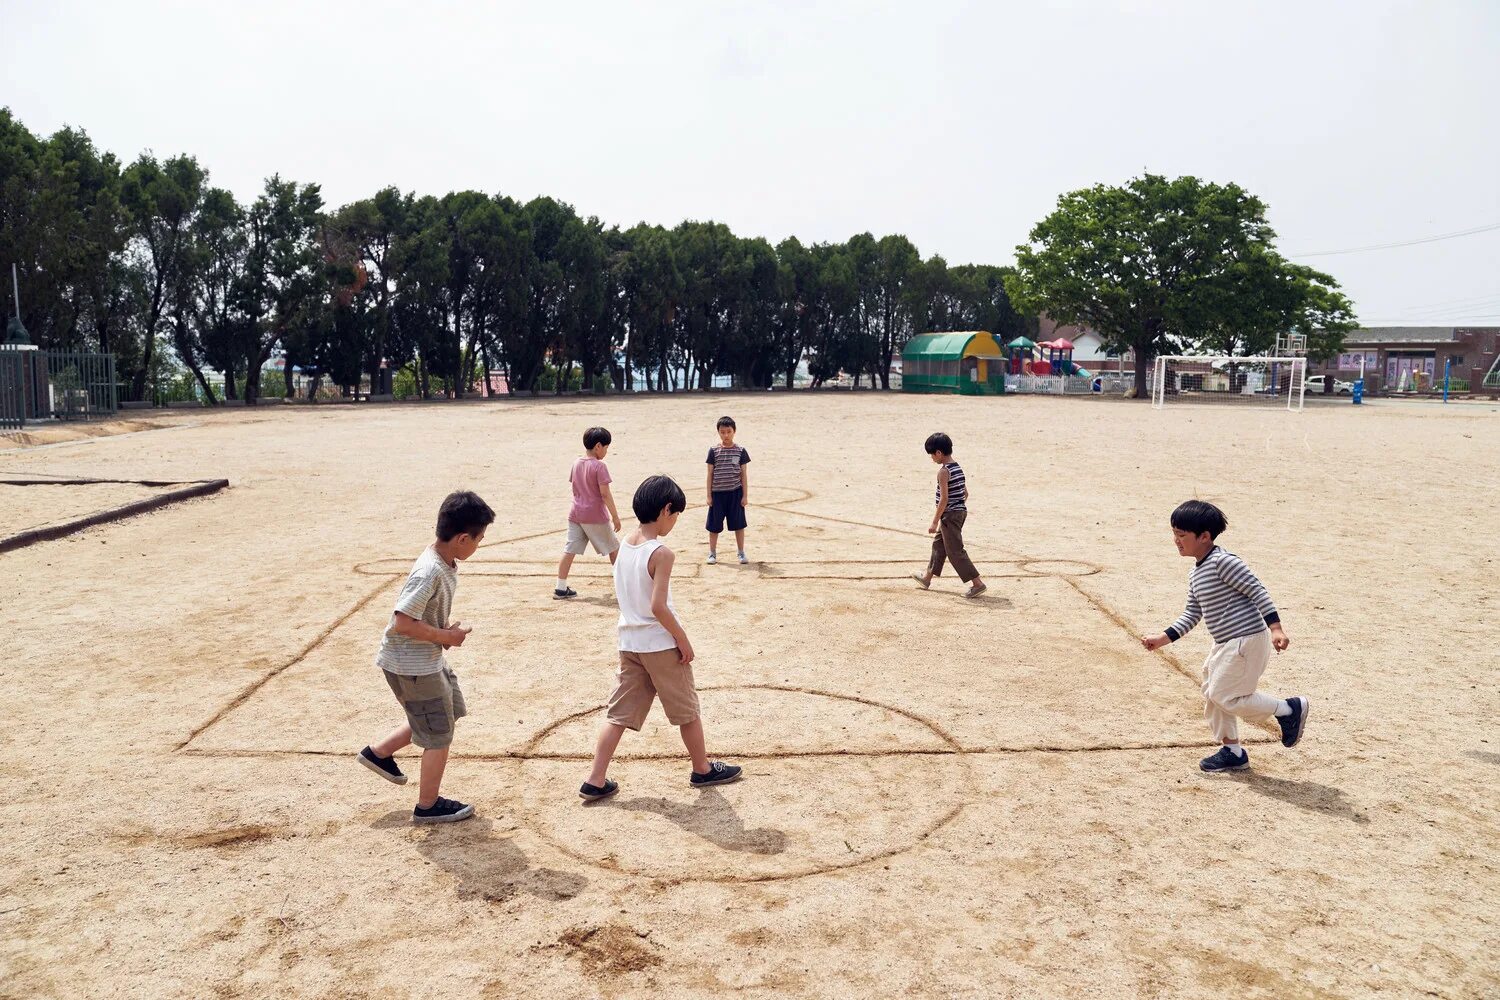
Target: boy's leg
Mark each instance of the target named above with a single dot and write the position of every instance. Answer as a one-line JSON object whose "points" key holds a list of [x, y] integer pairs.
{"points": [[951, 530], [713, 542], [399, 738], [692, 738], [629, 704], [1237, 669], [939, 554], [565, 565], [604, 751], [434, 761], [739, 540]]}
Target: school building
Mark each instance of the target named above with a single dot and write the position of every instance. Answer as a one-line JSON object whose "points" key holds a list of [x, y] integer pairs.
{"points": [[1412, 358]]}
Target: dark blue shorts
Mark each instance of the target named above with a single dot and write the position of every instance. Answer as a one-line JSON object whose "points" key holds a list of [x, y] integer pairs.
{"points": [[726, 506]]}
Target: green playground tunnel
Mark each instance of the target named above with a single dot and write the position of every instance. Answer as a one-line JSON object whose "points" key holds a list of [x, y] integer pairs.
{"points": [[969, 363]]}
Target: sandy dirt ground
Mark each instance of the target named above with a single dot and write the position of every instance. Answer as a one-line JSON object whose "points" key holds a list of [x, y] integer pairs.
{"points": [[943, 798]]}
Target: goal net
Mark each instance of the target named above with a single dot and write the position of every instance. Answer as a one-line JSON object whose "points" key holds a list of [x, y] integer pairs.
{"points": [[1236, 381]]}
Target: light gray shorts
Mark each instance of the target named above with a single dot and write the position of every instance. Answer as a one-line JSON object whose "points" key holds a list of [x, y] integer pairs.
{"points": [[581, 536]]}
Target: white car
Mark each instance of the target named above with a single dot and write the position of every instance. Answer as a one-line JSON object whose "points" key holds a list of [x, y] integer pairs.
{"points": [[1340, 387]]}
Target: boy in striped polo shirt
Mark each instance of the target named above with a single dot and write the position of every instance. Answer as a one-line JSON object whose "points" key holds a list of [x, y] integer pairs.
{"points": [[728, 490], [947, 526], [1245, 627], [411, 658]]}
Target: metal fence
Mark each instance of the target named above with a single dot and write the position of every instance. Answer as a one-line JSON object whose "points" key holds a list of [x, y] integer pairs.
{"points": [[38, 385]]}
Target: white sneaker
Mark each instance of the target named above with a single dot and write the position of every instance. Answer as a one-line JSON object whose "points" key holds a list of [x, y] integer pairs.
{"points": [[744, 560], [713, 558]]}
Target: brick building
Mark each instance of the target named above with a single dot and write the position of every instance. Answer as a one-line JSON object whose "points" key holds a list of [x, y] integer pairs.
{"points": [[1412, 358]]}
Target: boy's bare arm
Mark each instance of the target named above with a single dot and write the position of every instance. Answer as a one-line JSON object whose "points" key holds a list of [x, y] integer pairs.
{"points": [[709, 489], [609, 504], [415, 628], [942, 506], [744, 485], [660, 568]]}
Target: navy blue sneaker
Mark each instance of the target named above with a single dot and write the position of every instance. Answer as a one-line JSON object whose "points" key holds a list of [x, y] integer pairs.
{"points": [[1292, 725], [1225, 760], [563, 594], [383, 766], [442, 811], [595, 792], [719, 773]]}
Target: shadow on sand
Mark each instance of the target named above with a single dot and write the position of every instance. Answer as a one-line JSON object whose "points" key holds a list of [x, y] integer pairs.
{"points": [[710, 817], [488, 866], [1307, 795]]}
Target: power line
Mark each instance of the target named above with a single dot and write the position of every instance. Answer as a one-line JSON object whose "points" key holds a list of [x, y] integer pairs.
{"points": [[1404, 243]]}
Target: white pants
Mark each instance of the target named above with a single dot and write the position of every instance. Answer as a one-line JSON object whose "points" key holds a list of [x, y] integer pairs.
{"points": [[1230, 675]]}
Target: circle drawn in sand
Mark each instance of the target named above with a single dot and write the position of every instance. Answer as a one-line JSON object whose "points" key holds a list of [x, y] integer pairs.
{"points": [[841, 781]]}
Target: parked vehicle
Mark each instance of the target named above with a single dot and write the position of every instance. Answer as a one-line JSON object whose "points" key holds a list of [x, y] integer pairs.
{"points": [[1340, 387]]}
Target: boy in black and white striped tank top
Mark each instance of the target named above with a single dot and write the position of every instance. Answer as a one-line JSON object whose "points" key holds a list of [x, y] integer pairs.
{"points": [[1245, 626], [952, 498]]}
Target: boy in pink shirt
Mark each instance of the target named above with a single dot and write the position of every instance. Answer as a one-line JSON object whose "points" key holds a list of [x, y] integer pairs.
{"points": [[593, 518]]}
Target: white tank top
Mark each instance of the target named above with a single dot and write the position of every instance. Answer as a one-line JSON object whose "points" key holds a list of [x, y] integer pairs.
{"points": [[640, 632]]}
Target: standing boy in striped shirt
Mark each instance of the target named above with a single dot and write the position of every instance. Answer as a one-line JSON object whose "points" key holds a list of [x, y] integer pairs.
{"points": [[948, 520], [1245, 627], [728, 490]]}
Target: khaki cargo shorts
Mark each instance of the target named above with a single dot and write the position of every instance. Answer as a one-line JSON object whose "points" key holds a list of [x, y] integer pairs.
{"points": [[643, 677], [433, 703], [580, 536]]}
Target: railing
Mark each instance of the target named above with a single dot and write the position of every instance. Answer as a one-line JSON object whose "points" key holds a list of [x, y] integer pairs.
{"points": [[54, 385]]}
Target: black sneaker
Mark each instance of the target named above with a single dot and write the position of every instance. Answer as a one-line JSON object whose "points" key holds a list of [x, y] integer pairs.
{"points": [[719, 773], [442, 811], [1292, 725], [383, 766], [593, 792], [1225, 760], [564, 594]]}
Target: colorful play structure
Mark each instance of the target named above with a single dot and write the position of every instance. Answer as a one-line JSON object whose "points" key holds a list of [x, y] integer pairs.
{"points": [[969, 363], [1050, 357]]}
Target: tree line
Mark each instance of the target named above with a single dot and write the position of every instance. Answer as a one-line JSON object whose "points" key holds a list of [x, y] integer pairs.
{"points": [[132, 259]]}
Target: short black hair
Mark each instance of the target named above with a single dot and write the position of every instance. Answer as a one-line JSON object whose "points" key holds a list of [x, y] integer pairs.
{"points": [[939, 442], [593, 436], [725, 422], [463, 513], [654, 494], [1198, 516]]}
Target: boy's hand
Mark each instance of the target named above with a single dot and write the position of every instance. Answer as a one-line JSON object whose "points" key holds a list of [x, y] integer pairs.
{"points": [[1278, 637], [685, 652], [1155, 642], [457, 633], [617, 525], [932, 528], [744, 501]]}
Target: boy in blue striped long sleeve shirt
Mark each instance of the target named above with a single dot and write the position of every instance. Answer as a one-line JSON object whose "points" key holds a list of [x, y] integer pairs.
{"points": [[1245, 625]]}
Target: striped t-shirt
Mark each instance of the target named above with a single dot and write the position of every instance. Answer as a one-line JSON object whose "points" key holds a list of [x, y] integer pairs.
{"points": [[1224, 593], [958, 490], [726, 463], [427, 596]]}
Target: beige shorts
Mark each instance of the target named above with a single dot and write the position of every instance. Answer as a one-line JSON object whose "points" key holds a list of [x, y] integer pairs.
{"points": [[433, 703], [580, 536], [643, 677]]}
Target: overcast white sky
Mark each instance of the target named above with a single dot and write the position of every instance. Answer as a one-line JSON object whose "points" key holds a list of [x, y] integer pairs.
{"points": [[1362, 122]]}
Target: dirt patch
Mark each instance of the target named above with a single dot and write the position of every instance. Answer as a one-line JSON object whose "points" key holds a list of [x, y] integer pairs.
{"points": [[610, 950]]}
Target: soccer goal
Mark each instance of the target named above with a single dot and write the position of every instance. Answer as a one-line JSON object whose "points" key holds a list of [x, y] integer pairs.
{"points": [[1248, 381]]}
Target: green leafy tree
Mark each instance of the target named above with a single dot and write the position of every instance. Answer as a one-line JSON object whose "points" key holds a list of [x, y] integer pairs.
{"points": [[162, 200], [1152, 265]]}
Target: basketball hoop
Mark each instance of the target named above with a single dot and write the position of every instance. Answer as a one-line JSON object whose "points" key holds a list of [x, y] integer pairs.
{"points": [[1291, 345]]}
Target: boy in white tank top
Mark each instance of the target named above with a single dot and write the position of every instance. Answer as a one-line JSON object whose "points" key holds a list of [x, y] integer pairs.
{"points": [[655, 654]]}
